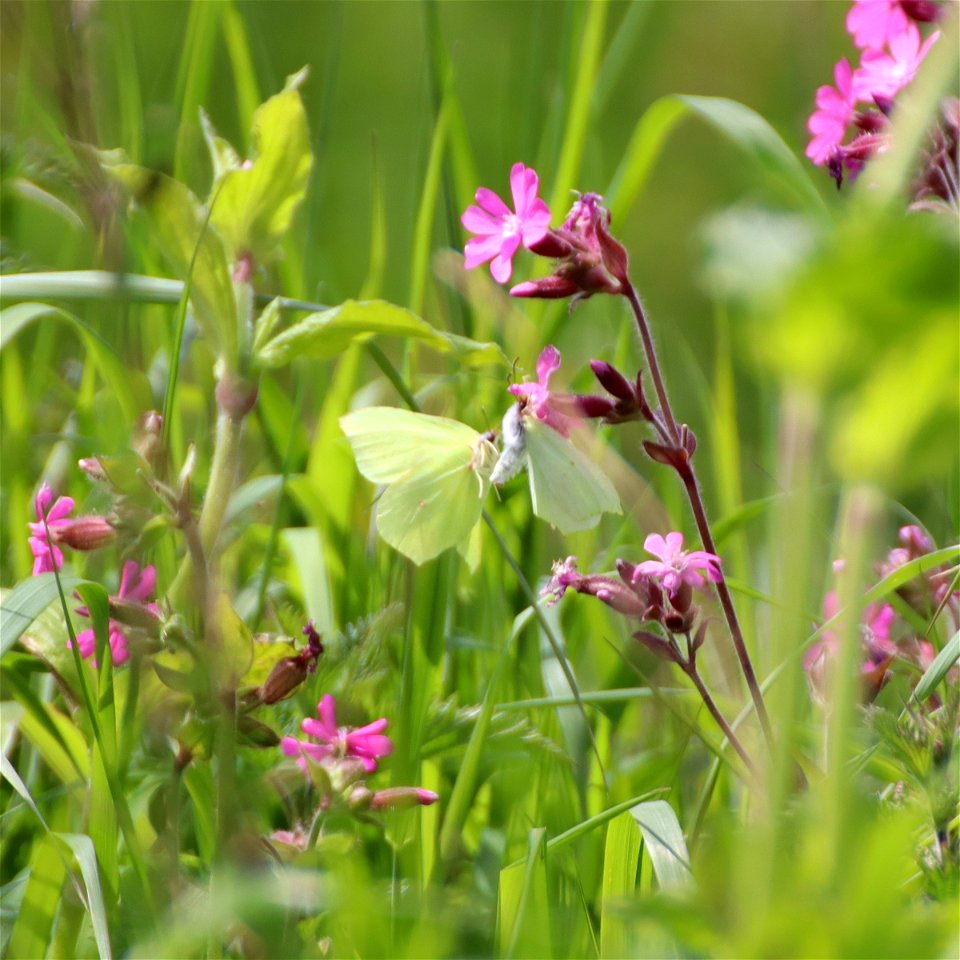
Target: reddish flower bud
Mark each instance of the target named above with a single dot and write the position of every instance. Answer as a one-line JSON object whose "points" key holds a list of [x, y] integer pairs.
{"points": [[612, 380], [284, 678], [396, 797], [553, 287], [92, 467], [236, 396], [85, 533], [593, 407], [923, 11]]}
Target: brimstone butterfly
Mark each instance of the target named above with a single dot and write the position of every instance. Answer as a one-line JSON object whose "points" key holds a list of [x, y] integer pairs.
{"points": [[437, 473], [567, 489]]}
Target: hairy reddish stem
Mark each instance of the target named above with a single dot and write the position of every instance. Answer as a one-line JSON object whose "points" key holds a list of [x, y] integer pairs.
{"points": [[690, 669], [692, 486]]}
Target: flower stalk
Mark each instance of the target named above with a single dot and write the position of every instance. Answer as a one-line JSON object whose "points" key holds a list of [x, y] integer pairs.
{"points": [[687, 473]]}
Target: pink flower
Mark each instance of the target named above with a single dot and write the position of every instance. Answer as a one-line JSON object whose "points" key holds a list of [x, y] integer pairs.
{"points": [[873, 23], [564, 576], [499, 230], [538, 398], [366, 744], [835, 111], [675, 566], [883, 74], [47, 555], [136, 585]]}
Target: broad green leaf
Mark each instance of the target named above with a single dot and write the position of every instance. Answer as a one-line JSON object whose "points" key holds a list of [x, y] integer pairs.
{"points": [[664, 844], [231, 640], [753, 134], [48, 871], [266, 324], [33, 926], [256, 202], [329, 332], [937, 670], [83, 851], [523, 916], [61, 745], [179, 228], [223, 157], [621, 854], [26, 601], [646, 143], [741, 125]]}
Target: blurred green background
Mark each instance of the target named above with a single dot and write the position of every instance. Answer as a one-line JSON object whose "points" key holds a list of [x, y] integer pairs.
{"points": [[809, 338]]}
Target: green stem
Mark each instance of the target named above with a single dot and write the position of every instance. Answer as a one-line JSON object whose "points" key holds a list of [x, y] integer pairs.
{"points": [[223, 477]]}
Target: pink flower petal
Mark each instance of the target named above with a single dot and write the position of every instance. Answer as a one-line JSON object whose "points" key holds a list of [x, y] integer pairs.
{"points": [[479, 221], [480, 249], [489, 201], [547, 363]]}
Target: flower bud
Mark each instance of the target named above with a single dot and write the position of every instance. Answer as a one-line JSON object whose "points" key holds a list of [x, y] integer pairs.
{"points": [[394, 798], [554, 287], [923, 11], [360, 797], [85, 533], [612, 380], [92, 467], [284, 678], [593, 407], [236, 396]]}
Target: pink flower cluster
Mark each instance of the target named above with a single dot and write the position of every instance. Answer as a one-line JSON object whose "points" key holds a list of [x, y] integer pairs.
{"points": [[54, 526], [346, 755], [132, 598], [886, 637], [589, 259], [886, 33]]}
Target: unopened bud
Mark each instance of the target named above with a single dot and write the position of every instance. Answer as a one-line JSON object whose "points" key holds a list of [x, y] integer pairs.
{"points": [[612, 380], [85, 533], [553, 287], [92, 467], [132, 613], [235, 396], [924, 11], [284, 678], [593, 407], [396, 797], [361, 797], [147, 436]]}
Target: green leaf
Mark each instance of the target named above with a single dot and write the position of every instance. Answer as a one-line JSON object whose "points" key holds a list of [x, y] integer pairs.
{"points": [[937, 670], [256, 203], [523, 913], [753, 134], [82, 848], [233, 642], [741, 125], [329, 332], [178, 227], [664, 843], [621, 854], [129, 387], [26, 601], [52, 878]]}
